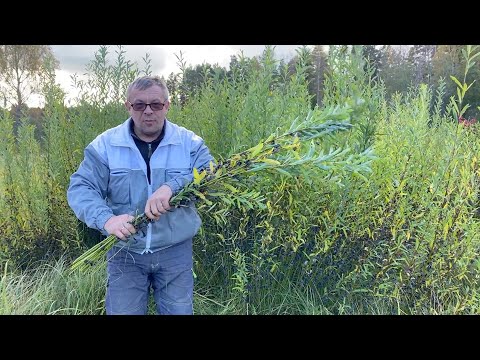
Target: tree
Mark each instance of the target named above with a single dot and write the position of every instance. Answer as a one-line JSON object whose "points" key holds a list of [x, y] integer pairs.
{"points": [[450, 61], [239, 68], [420, 56], [20, 68], [373, 55], [320, 65], [396, 71], [193, 79], [173, 84]]}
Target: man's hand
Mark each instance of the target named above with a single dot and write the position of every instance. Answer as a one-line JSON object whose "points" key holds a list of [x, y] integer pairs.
{"points": [[120, 227], [158, 203]]}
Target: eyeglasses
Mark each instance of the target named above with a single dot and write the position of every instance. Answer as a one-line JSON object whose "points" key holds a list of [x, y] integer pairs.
{"points": [[140, 106]]}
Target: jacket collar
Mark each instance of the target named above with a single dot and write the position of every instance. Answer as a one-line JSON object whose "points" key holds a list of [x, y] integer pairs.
{"points": [[122, 136]]}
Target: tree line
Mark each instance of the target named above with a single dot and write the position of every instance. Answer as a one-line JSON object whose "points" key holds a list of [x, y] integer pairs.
{"points": [[398, 67]]}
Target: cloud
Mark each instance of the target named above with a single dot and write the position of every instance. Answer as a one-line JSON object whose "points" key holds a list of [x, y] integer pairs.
{"points": [[281, 51], [74, 58], [163, 58]]}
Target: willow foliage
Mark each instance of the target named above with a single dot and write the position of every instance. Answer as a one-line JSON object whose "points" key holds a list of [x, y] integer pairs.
{"points": [[291, 153]]}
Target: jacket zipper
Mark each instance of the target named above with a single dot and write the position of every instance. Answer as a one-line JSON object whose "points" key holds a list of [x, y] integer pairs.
{"points": [[149, 229]]}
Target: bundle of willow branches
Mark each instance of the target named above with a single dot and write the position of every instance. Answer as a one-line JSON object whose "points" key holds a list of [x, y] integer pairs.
{"points": [[225, 180]]}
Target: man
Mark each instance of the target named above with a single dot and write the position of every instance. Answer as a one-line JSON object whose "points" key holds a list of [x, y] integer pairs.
{"points": [[133, 168]]}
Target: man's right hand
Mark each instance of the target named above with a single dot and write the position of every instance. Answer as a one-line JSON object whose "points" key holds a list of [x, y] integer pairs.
{"points": [[119, 226]]}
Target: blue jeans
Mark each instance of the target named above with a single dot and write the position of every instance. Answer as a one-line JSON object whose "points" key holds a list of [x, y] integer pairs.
{"points": [[167, 272]]}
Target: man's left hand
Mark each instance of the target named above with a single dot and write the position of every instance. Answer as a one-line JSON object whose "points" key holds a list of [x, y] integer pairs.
{"points": [[158, 203]]}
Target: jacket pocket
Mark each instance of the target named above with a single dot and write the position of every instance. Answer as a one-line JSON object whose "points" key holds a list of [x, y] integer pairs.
{"points": [[180, 176], [184, 222], [119, 187], [176, 172]]}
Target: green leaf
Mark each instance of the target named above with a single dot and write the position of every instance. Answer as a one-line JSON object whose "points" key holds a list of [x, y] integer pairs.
{"points": [[282, 171], [459, 95], [456, 81], [464, 109], [469, 86], [456, 108], [231, 188], [271, 162], [255, 150], [474, 56]]}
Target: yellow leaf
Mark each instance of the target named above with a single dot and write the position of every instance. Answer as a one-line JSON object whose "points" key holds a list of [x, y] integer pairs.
{"points": [[216, 193], [202, 196], [219, 172], [271, 162], [255, 150], [270, 138], [230, 187], [198, 177]]}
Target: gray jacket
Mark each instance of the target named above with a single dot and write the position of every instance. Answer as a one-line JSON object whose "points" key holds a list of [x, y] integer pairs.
{"points": [[112, 180]]}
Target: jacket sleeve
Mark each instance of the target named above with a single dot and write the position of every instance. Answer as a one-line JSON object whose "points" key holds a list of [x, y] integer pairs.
{"points": [[200, 158], [87, 191]]}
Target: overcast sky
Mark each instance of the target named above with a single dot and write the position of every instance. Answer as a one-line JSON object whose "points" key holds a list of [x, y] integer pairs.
{"points": [[74, 58]]}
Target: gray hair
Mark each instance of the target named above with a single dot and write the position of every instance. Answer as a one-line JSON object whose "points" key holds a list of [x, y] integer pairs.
{"points": [[145, 82]]}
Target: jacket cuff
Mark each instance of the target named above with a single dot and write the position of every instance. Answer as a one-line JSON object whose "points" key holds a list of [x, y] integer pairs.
{"points": [[101, 220], [174, 186]]}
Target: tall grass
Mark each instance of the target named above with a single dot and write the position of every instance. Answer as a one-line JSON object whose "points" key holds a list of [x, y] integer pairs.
{"points": [[47, 290]]}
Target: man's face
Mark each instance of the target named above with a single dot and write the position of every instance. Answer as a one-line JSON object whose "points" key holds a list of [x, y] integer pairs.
{"points": [[148, 123]]}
